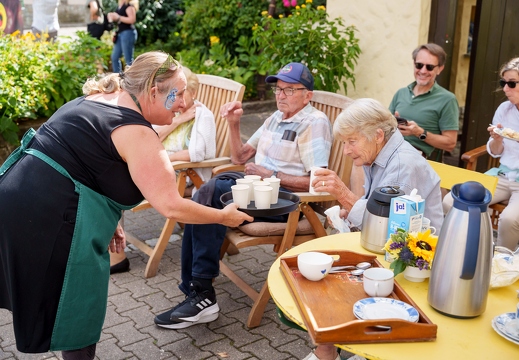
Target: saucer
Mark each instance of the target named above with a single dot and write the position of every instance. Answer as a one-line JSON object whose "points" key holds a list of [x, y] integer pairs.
{"points": [[503, 325], [384, 308]]}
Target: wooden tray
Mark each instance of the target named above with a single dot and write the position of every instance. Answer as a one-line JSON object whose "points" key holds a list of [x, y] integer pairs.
{"points": [[327, 306]]}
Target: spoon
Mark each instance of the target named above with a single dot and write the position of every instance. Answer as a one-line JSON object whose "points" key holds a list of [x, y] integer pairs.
{"points": [[355, 269]]}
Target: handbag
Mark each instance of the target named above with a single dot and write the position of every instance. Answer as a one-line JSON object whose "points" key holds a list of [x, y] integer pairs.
{"points": [[96, 29]]}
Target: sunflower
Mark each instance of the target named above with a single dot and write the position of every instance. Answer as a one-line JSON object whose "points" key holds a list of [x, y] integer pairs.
{"points": [[423, 245]]}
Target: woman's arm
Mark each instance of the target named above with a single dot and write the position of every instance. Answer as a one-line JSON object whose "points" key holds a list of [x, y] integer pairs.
{"points": [[153, 174]]}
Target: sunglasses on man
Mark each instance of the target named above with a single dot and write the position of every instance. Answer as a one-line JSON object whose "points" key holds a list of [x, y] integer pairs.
{"points": [[511, 84], [429, 67]]}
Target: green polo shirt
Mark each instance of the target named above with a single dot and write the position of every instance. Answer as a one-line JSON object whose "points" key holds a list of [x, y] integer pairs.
{"points": [[435, 111]]}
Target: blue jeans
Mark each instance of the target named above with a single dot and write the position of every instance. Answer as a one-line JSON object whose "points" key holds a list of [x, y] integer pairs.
{"points": [[124, 45], [200, 256]]}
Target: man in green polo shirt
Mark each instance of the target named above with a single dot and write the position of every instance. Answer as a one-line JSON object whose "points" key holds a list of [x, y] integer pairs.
{"points": [[432, 112]]}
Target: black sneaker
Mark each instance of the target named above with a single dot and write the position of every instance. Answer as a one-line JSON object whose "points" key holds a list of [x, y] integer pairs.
{"points": [[198, 308]]}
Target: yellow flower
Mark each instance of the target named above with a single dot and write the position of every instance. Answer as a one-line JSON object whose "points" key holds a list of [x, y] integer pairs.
{"points": [[298, 7], [281, 16], [321, 7], [270, 16], [423, 245], [308, 1], [303, 6], [263, 13], [214, 40], [254, 27]]}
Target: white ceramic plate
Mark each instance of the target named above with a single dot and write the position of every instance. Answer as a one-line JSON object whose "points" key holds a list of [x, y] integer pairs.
{"points": [[384, 308], [507, 133], [504, 325]]}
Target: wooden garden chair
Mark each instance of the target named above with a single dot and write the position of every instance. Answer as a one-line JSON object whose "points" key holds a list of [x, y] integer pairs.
{"points": [[213, 92], [285, 235]]}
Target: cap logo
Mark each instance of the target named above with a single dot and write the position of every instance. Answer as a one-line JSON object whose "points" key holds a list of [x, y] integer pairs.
{"points": [[286, 69]]}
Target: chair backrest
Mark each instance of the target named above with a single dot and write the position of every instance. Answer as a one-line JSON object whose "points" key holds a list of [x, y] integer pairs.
{"points": [[213, 92], [452, 175], [332, 104]]}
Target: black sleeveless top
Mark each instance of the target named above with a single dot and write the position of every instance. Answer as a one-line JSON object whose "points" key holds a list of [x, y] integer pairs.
{"points": [[78, 137], [123, 26]]}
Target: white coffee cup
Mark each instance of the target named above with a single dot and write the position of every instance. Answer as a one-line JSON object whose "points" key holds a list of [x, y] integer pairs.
{"points": [[426, 224], [253, 177], [378, 281], [274, 183], [262, 197], [314, 265], [312, 177], [240, 195], [247, 182]]}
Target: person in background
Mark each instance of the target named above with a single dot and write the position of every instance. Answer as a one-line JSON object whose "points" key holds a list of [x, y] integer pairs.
{"points": [[126, 34], [371, 138], [507, 150], [432, 112], [96, 19], [290, 142], [96, 156], [191, 136], [45, 19]]}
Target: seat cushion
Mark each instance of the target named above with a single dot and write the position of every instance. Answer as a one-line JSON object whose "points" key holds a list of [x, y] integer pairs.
{"points": [[275, 229]]}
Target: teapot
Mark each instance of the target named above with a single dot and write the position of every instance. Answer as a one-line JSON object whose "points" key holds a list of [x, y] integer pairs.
{"points": [[460, 274]]}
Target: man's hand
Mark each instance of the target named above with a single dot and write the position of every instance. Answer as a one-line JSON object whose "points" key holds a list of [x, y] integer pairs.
{"points": [[253, 169], [232, 112]]}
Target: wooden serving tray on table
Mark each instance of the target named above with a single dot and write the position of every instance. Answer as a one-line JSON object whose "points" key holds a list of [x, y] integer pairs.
{"points": [[327, 306]]}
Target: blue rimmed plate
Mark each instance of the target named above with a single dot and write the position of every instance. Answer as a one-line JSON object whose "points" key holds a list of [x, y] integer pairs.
{"points": [[506, 326], [384, 308]]}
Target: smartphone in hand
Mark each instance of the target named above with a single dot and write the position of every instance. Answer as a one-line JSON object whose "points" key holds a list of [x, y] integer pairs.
{"points": [[401, 121]]}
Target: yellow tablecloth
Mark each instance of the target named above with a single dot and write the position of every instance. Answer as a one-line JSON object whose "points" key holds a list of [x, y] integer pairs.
{"points": [[456, 338]]}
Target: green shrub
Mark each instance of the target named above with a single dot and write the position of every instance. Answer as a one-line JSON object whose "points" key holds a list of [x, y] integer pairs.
{"points": [[327, 47], [37, 77]]}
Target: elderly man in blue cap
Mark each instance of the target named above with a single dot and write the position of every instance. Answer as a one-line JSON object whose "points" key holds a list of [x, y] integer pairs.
{"points": [[292, 140]]}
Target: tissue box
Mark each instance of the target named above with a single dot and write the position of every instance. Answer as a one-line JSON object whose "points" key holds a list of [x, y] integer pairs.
{"points": [[405, 213]]}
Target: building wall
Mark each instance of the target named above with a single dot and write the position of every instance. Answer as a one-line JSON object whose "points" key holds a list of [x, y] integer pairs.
{"points": [[70, 12], [388, 31], [461, 59]]}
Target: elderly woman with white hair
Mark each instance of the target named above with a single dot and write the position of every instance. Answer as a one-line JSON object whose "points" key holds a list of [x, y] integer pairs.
{"points": [[371, 137]]}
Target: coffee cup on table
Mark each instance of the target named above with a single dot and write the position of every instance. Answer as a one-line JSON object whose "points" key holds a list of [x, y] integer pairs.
{"points": [[378, 282], [312, 177], [426, 225], [314, 265]]}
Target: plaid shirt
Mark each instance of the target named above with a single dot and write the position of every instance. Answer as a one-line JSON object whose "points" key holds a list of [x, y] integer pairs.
{"points": [[310, 147]]}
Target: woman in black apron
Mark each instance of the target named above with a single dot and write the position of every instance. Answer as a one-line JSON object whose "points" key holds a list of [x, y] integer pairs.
{"points": [[61, 196]]}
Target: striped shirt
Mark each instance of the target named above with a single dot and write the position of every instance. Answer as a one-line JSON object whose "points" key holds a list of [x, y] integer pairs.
{"points": [[310, 147]]}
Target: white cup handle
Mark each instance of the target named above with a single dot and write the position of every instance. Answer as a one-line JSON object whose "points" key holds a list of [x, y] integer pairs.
{"points": [[376, 289], [433, 230]]}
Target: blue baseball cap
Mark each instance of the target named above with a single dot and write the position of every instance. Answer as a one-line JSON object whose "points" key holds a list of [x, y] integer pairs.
{"points": [[294, 73]]}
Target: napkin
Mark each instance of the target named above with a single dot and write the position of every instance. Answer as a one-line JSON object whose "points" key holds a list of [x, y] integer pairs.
{"points": [[341, 225]]}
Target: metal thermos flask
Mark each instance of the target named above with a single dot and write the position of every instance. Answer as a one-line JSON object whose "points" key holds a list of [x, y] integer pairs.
{"points": [[460, 275], [373, 236]]}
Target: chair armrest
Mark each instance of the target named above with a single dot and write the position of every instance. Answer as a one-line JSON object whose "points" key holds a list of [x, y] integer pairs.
{"points": [[308, 197], [471, 156], [228, 167], [209, 163], [142, 206]]}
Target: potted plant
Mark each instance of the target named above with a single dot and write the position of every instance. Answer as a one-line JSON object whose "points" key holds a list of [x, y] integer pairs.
{"points": [[411, 253]]}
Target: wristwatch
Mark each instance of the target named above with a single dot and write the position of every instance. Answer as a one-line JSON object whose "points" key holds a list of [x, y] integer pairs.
{"points": [[274, 174], [423, 135]]}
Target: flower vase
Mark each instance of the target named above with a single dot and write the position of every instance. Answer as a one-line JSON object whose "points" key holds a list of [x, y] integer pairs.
{"points": [[414, 274]]}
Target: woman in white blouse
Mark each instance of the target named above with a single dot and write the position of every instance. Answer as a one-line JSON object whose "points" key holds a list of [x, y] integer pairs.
{"points": [[191, 136]]}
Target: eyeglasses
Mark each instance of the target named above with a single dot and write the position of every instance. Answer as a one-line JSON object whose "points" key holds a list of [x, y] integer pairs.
{"points": [[429, 67], [511, 84], [288, 91]]}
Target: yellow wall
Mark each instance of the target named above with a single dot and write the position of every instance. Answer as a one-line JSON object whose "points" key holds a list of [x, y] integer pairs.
{"points": [[388, 31]]}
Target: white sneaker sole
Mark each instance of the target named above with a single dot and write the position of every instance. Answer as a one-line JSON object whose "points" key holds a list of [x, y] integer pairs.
{"points": [[211, 310], [185, 324]]}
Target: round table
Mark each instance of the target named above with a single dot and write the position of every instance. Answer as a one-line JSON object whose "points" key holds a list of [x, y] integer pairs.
{"points": [[456, 338]]}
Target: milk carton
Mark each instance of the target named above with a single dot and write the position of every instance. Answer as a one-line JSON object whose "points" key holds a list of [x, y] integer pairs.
{"points": [[406, 212]]}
